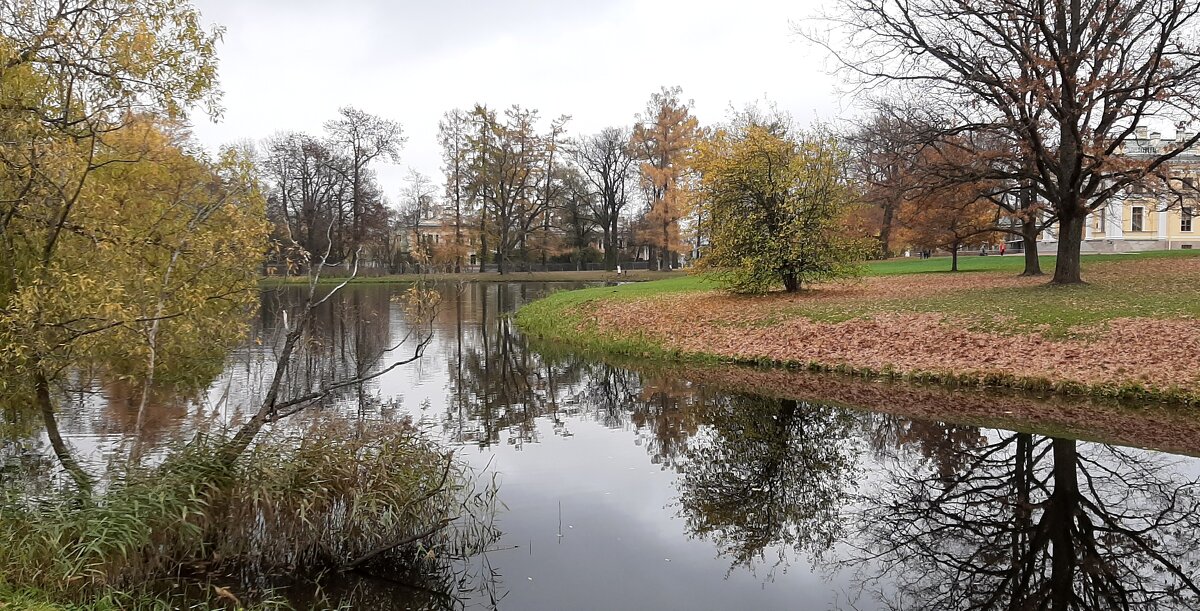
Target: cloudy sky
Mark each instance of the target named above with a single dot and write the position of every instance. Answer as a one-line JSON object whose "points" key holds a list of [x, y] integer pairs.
{"points": [[289, 64]]}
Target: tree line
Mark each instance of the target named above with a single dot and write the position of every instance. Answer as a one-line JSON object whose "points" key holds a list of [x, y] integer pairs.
{"points": [[513, 191]]}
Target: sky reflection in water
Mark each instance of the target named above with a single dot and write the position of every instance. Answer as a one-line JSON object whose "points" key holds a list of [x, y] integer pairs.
{"points": [[629, 491]]}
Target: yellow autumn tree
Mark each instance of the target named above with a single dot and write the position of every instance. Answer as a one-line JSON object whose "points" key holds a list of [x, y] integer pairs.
{"points": [[776, 202], [153, 273], [663, 140], [77, 78]]}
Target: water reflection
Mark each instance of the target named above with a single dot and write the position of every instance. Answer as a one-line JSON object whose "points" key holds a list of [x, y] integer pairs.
{"points": [[769, 475], [1003, 520], [631, 489]]}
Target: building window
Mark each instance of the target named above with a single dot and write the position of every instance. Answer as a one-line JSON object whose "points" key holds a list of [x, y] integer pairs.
{"points": [[1102, 220], [1137, 220], [1185, 219]]}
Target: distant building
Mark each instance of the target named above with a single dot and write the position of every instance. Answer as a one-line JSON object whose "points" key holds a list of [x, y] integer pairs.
{"points": [[432, 239], [1141, 219]]}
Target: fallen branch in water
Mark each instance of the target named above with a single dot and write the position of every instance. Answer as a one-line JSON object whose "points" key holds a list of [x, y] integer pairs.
{"points": [[417, 537], [391, 546]]}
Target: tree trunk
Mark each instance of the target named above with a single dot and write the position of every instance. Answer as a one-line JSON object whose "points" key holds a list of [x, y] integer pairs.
{"points": [[1070, 238], [458, 245], [954, 257], [1060, 520], [791, 283], [610, 249], [483, 243], [885, 230], [46, 405], [1033, 265]]}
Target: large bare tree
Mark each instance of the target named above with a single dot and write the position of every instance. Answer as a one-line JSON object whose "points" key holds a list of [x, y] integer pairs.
{"points": [[362, 138], [607, 163], [1063, 83]]}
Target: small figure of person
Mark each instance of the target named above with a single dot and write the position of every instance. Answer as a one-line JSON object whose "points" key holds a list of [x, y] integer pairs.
{"points": [[618, 270], [1003, 247]]}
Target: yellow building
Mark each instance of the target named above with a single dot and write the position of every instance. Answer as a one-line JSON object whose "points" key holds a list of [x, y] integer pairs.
{"points": [[1139, 219]]}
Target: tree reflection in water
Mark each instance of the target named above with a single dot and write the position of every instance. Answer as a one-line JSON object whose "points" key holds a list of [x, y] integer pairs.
{"points": [[769, 474], [497, 385], [946, 516], [1022, 521]]}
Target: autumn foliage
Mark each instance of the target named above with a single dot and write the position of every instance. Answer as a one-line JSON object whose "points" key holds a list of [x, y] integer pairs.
{"points": [[776, 202], [664, 140], [945, 214]]}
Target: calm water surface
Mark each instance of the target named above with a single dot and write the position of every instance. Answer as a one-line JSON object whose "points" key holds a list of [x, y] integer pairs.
{"points": [[625, 490]]}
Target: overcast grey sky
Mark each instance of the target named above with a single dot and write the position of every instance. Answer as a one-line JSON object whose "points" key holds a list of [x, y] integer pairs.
{"points": [[289, 64]]}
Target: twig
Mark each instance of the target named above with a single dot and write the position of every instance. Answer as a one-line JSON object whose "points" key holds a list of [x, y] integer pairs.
{"points": [[405, 541]]}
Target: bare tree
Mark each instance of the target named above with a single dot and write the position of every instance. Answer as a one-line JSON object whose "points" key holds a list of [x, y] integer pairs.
{"points": [[363, 137], [608, 165], [1062, 83], [417, 205], [308, 192], [883, 148]]}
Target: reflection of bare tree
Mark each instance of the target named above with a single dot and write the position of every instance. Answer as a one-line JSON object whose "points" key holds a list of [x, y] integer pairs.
{"points": [[769, 474], [347, 339], [610, 391], [497, 383], [1030, 522]]}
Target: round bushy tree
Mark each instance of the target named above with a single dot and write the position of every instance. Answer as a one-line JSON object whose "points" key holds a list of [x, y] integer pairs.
{"points": [[775, 203]]}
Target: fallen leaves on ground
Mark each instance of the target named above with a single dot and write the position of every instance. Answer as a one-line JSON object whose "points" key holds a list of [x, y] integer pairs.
{"points": [[1161, 353]]}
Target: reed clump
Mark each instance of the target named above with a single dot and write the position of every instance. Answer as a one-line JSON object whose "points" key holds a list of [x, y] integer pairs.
{"points": [[334, 495]]}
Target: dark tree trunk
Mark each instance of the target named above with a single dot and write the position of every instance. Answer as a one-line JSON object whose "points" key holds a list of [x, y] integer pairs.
{"points": [[610, 249], [791, 282], [1070, 238], [483, 242], [1060, 521], [885, 231], [1033, 265], [954, 257], [61, 451]]}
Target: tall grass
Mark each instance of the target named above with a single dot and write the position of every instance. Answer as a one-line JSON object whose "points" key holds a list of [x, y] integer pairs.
{"points": [[332, 496]]}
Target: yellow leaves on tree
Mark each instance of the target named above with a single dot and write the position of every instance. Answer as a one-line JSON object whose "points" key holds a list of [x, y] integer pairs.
{"points": [[104, 218], [776, 204], [161, 252]]}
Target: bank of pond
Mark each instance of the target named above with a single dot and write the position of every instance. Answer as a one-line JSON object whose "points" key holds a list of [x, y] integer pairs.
{"points": [[496, 472]]}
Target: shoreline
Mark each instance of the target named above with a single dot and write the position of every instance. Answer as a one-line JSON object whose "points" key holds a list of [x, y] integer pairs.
{"points": [[567, 276], [917, 328], [1157, 427]]}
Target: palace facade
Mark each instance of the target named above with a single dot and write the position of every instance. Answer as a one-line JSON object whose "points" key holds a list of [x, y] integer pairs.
{"points": [[1140, 219]]}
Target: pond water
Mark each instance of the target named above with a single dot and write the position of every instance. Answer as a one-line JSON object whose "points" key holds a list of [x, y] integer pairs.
{"points": [[665, 489]]}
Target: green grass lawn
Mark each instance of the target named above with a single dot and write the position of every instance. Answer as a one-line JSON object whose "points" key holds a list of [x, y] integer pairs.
{"points": [[968, 262], [988, 297], [1053, 311]]}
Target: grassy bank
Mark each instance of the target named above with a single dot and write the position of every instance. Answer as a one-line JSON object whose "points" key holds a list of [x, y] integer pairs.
{"points": [[584, 276], [1131, 332]]}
